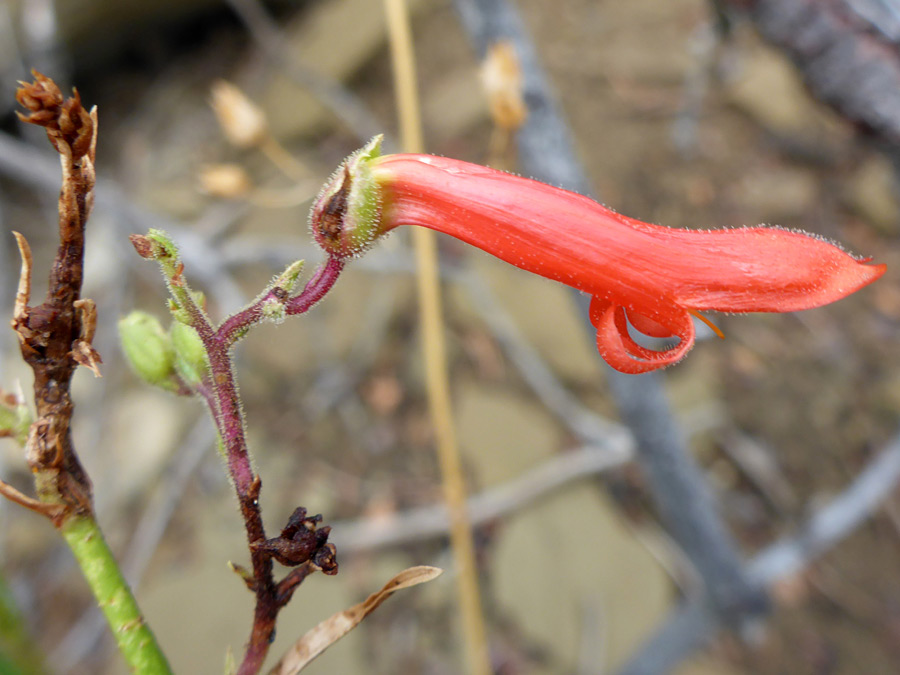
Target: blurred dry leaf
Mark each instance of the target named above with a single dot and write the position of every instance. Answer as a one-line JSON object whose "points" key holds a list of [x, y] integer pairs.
{"points": [[791, 591], [383, 394], [229, 181], [501, 78], [317, 640], [242, 121], [484, 352]]}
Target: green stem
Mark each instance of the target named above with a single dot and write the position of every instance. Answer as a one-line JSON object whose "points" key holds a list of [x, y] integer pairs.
{"points": [[133, 636]]}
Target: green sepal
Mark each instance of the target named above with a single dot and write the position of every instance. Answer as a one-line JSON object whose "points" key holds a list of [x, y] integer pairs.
{"points": [[288, 279], [15, 421], [191, 360], [164, 251], [345, 218], [148, 349]]}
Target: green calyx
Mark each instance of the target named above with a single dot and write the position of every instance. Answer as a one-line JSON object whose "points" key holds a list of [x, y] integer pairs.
{"points": [[161, 248], [191, 360], [346, 215], [15, 420], [148, 349]]}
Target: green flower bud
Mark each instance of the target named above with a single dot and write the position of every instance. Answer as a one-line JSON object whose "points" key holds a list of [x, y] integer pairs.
{"points": [[346, 215], [148, 349], [191, 360], [163, 248], [288, 279]]}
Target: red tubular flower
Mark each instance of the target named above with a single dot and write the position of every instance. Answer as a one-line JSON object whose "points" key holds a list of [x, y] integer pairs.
{"points": [[651, 276]]}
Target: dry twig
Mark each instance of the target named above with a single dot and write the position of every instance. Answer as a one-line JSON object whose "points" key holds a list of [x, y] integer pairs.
{"points": [[55, 337]]}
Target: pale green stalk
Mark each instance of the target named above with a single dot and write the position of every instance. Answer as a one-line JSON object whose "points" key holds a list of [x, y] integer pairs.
{"points": [[134, 638]]}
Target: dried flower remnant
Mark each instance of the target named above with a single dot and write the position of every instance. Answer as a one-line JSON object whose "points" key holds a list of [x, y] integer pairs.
{"points": [[501, 77], [65, 119], [228, 181], [655, 278], [242, 121], [302, 540]]}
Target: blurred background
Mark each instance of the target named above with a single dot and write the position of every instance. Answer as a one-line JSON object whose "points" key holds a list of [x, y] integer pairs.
{"points": [[681, 114]]}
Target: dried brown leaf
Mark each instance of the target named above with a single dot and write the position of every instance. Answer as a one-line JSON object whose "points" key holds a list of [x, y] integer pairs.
{"points": [[243, 122], [317, 640], [501, 77], [229, 181], [23, 293]]}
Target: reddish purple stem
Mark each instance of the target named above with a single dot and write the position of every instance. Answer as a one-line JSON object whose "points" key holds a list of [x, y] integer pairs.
{"points": [[226, 409], [315, 289]]}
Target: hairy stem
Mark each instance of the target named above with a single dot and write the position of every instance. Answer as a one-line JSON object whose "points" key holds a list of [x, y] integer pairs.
{"points": [[227, 411]]}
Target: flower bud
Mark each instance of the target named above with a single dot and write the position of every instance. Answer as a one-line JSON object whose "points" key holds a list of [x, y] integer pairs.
{"points": [[158, 245], [148, 349], [191, 360], [346, 215], [288, 279], [15, 418]]}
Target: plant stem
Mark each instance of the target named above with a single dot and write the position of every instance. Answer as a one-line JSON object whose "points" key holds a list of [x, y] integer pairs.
{"points": [[55, 337], [431, 318], [134, 638], [19, 654], [227, 411]]}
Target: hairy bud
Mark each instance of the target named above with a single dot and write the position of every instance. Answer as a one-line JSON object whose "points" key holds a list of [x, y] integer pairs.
{"points": [[148, 349], [191, 360], [346, 215], [15, 418]]}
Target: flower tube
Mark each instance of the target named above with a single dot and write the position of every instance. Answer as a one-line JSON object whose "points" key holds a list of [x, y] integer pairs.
{"points": [[653, 277]]}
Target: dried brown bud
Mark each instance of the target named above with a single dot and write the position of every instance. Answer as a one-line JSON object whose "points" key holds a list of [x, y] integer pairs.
{"points": [[76, 125], [66, 120], [501, 77], [325, 559], [302, 540], [42, 98], [142, 245]]}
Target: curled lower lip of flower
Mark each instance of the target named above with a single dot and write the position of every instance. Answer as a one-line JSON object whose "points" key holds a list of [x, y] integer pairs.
{"points": [[650, 276]]}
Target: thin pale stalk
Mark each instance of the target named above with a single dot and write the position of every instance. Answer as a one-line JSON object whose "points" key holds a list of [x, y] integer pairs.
{"points": [[431, 321], [133, 637]]}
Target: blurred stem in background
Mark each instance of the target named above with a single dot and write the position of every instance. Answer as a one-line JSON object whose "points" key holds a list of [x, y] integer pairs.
{"points": [[431, 321], [18, 653]]}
